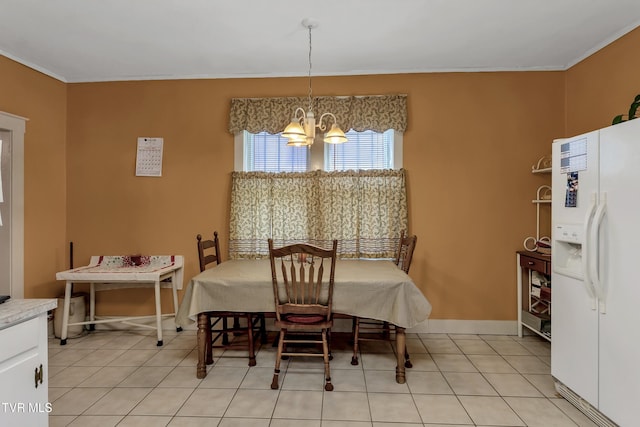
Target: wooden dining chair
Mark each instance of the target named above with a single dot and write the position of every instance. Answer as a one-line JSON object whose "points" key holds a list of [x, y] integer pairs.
{"points": [[303, 296], [219, 331], [375, 330]]}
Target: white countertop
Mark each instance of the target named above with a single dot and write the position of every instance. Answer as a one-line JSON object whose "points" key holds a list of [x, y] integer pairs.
{"points": [[16, 310]]}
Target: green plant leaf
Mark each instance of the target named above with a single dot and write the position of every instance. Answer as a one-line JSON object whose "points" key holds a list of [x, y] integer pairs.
{"points": [[617, 119], [633, 109]]}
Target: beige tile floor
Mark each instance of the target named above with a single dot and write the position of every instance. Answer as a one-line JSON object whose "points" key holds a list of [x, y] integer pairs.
{"points": [[120, 378]]}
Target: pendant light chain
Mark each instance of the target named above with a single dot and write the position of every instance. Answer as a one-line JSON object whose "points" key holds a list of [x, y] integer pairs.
{"points": [[302, 129], [310, 90]]}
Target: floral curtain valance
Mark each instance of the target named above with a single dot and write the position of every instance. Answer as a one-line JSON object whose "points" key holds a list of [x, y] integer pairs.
{"points": [[360, 113]]}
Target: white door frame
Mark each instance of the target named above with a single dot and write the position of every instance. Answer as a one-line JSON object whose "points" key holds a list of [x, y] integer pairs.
{"points": [[16, 125]]}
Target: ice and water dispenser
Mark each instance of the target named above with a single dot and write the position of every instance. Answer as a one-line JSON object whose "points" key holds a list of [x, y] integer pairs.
{"points": [[568, 250]]}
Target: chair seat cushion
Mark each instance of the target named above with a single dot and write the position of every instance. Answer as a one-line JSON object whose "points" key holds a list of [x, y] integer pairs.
{"points": [[304, 318]]}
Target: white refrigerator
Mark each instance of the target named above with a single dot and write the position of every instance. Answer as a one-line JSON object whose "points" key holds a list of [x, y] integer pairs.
{"points": [[595, 311]]}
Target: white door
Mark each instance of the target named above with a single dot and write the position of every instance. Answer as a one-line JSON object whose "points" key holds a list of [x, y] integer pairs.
{"points": [[574, 320], [5, 212], [586, 167], [12, 129], [574, 338], [620, 256]]}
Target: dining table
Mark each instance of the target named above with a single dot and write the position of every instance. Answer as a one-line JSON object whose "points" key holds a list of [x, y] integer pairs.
{"points": [[374, 289]]}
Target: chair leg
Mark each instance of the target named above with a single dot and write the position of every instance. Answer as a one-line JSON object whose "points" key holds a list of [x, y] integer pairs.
{"points": [[353, 330], [327, 370], [225, 335], [252, 354], [262, 328], [276, 371], [356, 331], [407, 360], [386, 331], [236, 326]]}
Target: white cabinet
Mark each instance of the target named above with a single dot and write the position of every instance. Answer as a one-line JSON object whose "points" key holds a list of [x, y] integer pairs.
{"points": [[24, 371]]}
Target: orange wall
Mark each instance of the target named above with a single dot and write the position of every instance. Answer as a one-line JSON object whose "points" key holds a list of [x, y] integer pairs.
{"points": [[468, 150], [43, 101], [469, 147], [603, 85]]}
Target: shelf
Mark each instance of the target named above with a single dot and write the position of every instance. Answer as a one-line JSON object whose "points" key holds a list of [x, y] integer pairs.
{"points": [[539, 306], [545, 170], [534, 306], [534, 311], [543, 165], [542, 334]]}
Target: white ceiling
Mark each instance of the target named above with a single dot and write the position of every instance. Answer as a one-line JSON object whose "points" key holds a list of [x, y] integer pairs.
{"points": [[109, 40]]}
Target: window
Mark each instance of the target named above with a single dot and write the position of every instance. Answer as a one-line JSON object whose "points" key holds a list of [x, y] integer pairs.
{"points": [[365, 150], [270, 153]]}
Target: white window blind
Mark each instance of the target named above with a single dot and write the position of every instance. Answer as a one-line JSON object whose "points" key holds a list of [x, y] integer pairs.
{"points": [[364, 150], [270, 153]]}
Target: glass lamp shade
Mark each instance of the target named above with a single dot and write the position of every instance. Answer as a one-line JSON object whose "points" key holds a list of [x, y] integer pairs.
{"points": [[335, 135], [298, 141], [294, 131]]}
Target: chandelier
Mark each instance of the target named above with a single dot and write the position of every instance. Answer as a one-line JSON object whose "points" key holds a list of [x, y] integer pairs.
{"points": [[302, 130]]}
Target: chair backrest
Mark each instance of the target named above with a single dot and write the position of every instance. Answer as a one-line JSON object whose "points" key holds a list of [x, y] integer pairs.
{"points": [[405, 251], [208, 251], [300, 285]]}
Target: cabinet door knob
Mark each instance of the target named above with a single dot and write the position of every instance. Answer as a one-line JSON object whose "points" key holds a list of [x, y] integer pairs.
{"points": [[530, 262], [38, 375]]}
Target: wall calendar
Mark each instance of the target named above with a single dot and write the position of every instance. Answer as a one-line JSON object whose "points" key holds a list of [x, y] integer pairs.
{"points": [[149, 157]]}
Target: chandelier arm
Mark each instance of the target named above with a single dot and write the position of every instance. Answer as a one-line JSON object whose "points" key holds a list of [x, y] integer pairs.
{"points": [[320, 125], [301, 116]]}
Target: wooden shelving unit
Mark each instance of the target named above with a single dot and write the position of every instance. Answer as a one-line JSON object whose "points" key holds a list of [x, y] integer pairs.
{"points": [[534, 299]]}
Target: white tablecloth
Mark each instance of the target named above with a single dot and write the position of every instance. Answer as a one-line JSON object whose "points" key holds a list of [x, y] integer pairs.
{"points": [[370, 289]]}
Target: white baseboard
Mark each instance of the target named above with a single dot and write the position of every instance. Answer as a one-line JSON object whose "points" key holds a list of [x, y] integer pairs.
{"points": [[453, 326], [446, 326], [430, 326]]}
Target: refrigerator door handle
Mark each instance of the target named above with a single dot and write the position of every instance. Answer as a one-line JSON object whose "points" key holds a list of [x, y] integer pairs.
{"points": [[586, 250], [593, 258]]}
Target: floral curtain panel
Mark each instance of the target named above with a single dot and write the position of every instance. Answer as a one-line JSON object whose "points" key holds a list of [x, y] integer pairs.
{"points": [[364, 210], [360, 113]]}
